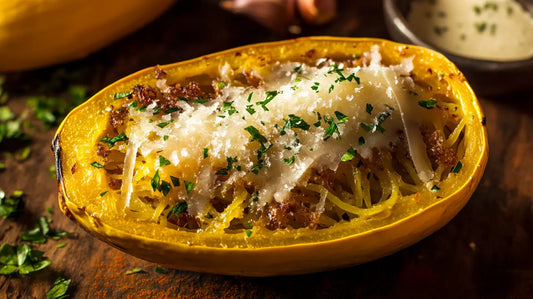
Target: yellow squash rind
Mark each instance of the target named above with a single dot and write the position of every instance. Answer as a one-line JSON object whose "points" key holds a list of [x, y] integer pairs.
{"points": [[298, 251]]}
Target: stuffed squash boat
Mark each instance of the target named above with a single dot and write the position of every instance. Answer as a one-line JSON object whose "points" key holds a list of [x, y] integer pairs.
{"points": [[277, 158]]}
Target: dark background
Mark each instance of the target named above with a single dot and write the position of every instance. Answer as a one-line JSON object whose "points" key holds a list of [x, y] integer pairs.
{"points": [[485, 251]]}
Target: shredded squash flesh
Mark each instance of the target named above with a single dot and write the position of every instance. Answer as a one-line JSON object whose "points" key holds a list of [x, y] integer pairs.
{"points": [[307, 145]]}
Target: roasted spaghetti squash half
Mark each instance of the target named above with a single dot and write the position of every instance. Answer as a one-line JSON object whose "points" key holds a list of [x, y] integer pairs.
{"points": [[278, 158]]}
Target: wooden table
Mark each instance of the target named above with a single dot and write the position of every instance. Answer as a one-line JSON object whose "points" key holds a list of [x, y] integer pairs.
{"points": [[485, 251]]}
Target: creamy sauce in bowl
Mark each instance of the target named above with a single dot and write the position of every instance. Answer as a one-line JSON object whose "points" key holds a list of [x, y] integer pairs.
{"points": [[498, 30]]}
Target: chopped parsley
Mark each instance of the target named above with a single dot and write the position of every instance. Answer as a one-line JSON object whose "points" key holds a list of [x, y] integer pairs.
{"points": [[189, 186], [250, 109], [331, 87], [10, 206], [228, 107], [206, 153], [270, 95], [112, 141], [249, 97], [221, 84], [155, 181], [369, 108], [133, 104], [121, 95], [294, 122], [435, 188], [362, 140], [175, 181], [332, 128], [97, 165], [163, 161], [156, 110], [289, 160], [134, 271], [103, 193], [248, 232], [165, 187], [170, 110], [201, 101], [256, 135], [340, 117], [22, 259], [315, 86], [349, 155], [42, 231], [165, 138], [367, 127], [59, 289], [429, 104], [178, 209], [457, 167], [164, 124]]}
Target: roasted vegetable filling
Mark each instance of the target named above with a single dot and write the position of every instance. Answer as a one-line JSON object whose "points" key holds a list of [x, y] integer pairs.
{"points": [[302, 145]]}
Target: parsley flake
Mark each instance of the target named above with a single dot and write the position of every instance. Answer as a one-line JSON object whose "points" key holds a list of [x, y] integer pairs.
{"points": [[457, 167], [112, 141], [59, 289], [178, 209], [121, 95], [163, 161], [155, 181], [369, 108], [175, 181], [189, 186], [97, 165], [429, 104], [290, 160], [164, 124], [349, 155]]}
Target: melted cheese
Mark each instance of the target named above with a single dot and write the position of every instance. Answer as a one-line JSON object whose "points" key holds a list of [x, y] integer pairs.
{"points": [[304, 93]]}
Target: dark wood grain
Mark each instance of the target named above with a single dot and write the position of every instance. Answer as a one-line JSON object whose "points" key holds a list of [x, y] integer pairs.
{"points": [[485, 251]]}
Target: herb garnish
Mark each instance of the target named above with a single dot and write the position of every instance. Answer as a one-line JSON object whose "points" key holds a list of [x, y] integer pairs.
{"points": [[175, 181], [163, 161], [361, 140], [201, 101], [369, 108], [289, 160], [179, 208], [341, 117], [170, 110], [97, 165], [270, 95], [10, 206], [59, 289], [429, 104], [189, 186], [349, 155], [206, 153], [41, 232], [435, 188], [457, 167], [155, 181], [112, 141], [164, 124], [121, 95], [21, 258], [294, 122], [134, 271]]}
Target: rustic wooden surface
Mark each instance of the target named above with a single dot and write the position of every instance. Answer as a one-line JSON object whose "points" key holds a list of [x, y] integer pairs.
{"points": [[485, 251]]}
